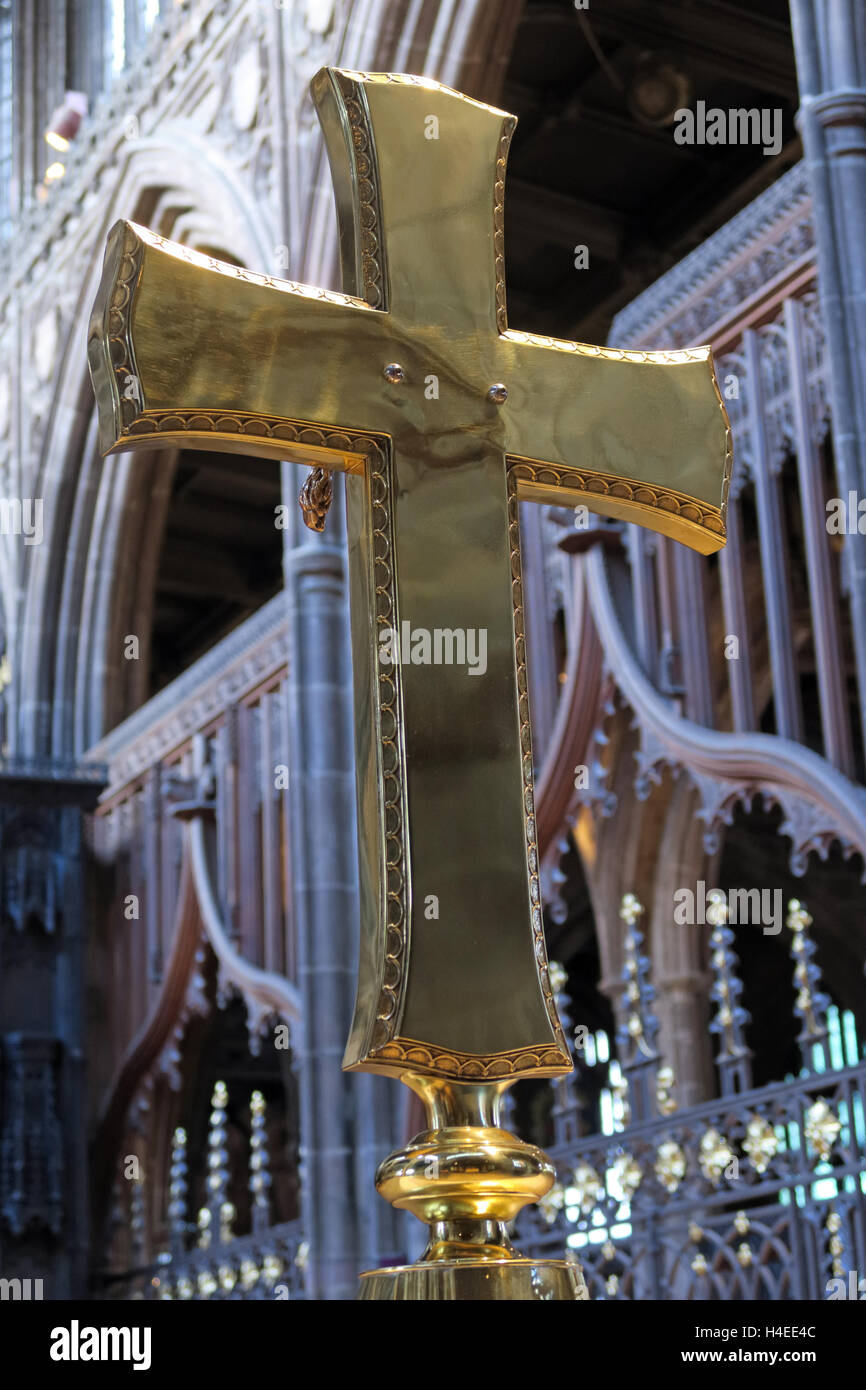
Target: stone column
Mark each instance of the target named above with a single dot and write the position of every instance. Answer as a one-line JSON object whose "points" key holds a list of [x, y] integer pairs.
{"points": [[324, 902], [348, 1122], [44, 1219]]}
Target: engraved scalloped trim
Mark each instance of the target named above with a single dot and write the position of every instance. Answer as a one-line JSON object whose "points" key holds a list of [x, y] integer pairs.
{"points": [[117, 321], [238, 272], [499, 223], [262, 426], [392, 759], [526, 756], [680, 504], [466, 1066], [667, 358], [369, 208], [408, 79]]}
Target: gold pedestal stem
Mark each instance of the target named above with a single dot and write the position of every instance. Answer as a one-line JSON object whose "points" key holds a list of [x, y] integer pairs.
{"points": [[467, 1179]]}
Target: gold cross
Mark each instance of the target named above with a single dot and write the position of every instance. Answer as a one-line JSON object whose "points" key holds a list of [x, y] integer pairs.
{"points": [[443, 419]]}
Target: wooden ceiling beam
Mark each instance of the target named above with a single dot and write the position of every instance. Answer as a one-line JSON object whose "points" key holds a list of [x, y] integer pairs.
{"points": [[539, 114], [731, 42]]}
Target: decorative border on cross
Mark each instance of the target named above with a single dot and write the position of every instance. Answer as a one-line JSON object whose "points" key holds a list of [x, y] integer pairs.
{"points": [[637, 495]]}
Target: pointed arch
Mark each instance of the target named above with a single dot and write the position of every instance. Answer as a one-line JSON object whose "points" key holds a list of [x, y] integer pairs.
{"points": [[80, 594]]}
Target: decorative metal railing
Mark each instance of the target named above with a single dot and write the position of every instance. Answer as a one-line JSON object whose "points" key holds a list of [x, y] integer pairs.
{"points": [[204, 1258], [758, 1194]]}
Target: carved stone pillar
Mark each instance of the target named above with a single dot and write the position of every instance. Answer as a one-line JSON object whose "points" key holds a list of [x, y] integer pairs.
{"points": [[347, 1121], [43, 1145]]}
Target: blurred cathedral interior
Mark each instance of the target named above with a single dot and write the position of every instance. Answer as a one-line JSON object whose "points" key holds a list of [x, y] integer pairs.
{"points": [[178, 870]]}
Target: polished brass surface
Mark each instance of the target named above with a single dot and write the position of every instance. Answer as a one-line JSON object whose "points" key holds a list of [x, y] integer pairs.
{"points": [[466, 1177], [185, 351], [443, 419], [429, 1176], [525, 1280]]}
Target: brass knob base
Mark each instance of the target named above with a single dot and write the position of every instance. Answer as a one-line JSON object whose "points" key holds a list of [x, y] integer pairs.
{"points": [[465, 1171], [467, 1178]]}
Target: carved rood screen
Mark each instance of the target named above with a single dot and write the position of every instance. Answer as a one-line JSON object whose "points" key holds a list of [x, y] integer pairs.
{"points": [[763, 647], [758, 1194]]}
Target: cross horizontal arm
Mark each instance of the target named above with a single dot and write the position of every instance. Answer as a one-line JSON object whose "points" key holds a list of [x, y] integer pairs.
{"points": [[640, 436], [188, 351]]}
